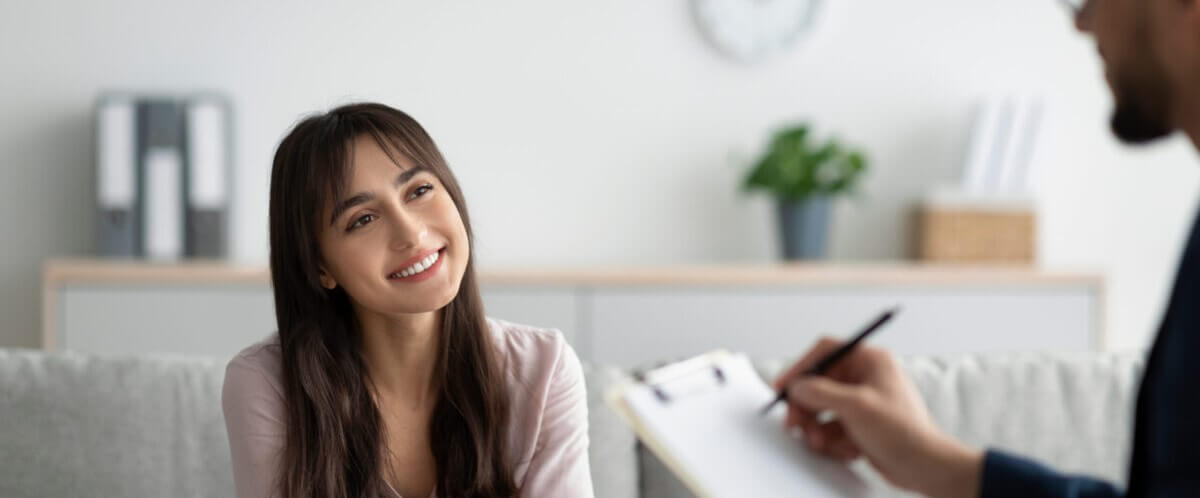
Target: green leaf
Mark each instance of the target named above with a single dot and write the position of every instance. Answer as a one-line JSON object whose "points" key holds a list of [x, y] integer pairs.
{"points": [[795, 168]]}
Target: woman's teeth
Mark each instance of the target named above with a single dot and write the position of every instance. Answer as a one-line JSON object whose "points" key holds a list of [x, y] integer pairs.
{"points": [[418, 267]]}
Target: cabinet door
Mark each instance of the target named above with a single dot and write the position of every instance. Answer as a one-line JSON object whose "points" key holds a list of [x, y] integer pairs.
{"points": [[215, 320], [220, 320], [640, 327]]}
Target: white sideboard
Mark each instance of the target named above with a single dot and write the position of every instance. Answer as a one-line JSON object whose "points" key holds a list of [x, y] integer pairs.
{"points": [[628, 317]]}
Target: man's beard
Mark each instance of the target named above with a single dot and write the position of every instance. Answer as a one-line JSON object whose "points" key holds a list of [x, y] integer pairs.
{"points": [[1140, 120], [1141, 95]]}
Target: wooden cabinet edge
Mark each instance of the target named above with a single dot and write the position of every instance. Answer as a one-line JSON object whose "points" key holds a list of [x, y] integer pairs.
{"points": [[889, 273]]}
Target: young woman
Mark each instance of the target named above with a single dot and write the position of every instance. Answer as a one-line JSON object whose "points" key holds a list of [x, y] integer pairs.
{"points": [[385, 378]]}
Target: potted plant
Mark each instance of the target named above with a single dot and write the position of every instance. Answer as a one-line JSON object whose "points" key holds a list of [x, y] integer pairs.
{"points": [[804, 177]]}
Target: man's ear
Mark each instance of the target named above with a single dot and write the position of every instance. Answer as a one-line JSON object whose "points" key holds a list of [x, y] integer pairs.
{"points": [[327, 281]]}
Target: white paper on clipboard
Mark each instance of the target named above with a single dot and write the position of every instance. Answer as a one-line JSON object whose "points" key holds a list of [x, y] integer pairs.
{"points": [[708, 431]]}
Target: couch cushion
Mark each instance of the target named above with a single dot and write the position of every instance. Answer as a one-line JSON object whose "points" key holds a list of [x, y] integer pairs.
{"points": [[1073, 412], [79, 425], [151, 426]]}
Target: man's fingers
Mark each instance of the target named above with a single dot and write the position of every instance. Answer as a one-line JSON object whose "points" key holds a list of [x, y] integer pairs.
{"points": [[844, 449], [817, 394], [797, 417], [832, 440]]}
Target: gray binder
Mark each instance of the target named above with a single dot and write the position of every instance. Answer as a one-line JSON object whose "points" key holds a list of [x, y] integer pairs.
{"points": [[162, 178]]}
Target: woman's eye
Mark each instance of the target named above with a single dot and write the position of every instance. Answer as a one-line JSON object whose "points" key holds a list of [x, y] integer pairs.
{"points": [[360, 221], [422, 190]]}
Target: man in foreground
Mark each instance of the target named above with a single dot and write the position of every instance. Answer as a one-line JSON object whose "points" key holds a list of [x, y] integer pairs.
{"points": [[1151, 51]]}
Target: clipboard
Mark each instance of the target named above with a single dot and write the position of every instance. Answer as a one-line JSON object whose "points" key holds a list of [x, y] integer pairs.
{"points": [[701, 417]]}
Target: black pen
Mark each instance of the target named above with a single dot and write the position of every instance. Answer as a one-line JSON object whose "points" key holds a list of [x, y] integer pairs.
{"points": [[828, 361]]}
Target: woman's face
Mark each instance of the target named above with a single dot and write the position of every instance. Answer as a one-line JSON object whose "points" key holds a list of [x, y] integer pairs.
{"points": [[396, 243]]}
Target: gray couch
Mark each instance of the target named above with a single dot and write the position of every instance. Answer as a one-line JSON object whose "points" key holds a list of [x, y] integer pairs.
{"points": [[82, 425]]}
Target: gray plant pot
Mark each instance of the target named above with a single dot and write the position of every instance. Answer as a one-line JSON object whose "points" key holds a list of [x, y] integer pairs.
{"points": [[804, 227]]}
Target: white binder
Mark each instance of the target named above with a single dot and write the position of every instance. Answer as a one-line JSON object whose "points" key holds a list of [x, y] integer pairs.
{"points": [[164, 205], [208, 183], [116, 176], [161, 149]]}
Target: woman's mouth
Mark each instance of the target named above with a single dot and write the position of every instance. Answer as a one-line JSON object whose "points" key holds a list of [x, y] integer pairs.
{"points": [[422, 269]]}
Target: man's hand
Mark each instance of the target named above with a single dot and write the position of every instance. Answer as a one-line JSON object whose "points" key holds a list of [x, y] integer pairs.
{"points": [[879, 416]]}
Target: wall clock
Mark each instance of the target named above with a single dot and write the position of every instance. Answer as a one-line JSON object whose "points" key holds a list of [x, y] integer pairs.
{"points": [[752, 31]]}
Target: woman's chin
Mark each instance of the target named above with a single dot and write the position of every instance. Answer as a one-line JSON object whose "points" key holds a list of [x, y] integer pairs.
{"points": [[424, 304]]}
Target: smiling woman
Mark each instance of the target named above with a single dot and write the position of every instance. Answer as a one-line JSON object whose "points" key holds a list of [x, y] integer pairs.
{"points": [[385, 378]]}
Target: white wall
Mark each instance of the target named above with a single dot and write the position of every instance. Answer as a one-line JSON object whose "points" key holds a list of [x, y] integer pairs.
{"points": [[606, 133]]}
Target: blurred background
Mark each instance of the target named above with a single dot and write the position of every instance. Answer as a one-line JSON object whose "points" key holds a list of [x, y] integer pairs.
{"points": [[602, 135], [656, 179]]}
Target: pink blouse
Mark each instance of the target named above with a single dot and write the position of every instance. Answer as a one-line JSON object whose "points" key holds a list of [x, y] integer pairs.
{"points": [[548, 432]]}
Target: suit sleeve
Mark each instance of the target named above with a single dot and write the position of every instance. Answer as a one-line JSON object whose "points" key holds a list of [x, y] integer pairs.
{"points": [[1006, 475]]}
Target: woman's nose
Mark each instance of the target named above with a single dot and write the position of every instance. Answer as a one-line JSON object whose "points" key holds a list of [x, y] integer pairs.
{"points": [[408, 230]]}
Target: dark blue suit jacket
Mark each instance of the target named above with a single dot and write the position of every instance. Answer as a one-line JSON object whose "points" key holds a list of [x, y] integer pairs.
{"points": [[1165, 461]]}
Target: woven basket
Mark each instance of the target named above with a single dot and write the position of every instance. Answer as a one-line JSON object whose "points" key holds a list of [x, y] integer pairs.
{"points": [[976, 235]]}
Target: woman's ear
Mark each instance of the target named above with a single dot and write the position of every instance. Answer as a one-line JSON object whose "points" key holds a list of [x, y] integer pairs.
{"points": [[327, 281]]}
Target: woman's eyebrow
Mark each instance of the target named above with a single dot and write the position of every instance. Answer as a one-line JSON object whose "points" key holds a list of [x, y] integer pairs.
{"points": [[407, 175], [362, 197]]}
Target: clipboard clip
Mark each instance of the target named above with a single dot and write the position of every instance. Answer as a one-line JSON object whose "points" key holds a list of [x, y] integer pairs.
{"points": [[659, 379]]}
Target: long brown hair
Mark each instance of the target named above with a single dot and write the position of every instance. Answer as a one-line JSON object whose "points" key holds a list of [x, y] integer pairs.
{"points": [[334, 429]]}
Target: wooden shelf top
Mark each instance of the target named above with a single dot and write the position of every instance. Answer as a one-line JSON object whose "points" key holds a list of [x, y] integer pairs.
{"points": [[61, 271]]}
